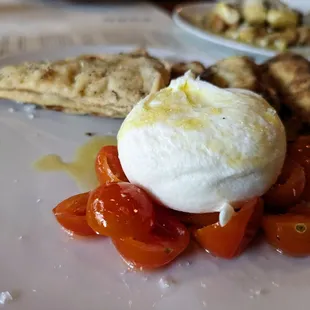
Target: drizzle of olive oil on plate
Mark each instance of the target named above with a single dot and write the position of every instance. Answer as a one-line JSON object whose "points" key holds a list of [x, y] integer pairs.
{"points": [[82, 168]]}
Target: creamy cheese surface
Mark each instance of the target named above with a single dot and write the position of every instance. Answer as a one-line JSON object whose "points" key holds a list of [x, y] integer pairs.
{"points": [[198, 148]]}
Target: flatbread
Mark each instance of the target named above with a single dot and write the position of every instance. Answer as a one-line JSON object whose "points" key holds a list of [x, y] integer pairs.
{"points": [[105, 85]]}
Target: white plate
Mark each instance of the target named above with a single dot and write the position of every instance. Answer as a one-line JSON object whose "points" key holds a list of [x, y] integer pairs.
{"points": [[45, 269], [181, 17]]}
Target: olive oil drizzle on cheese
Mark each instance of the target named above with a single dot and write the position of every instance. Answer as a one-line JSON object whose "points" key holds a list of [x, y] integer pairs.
{"points": [[82, 168]]}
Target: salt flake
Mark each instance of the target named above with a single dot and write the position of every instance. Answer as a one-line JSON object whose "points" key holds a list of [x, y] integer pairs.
{"points": [[5, 297], [166, 282]]}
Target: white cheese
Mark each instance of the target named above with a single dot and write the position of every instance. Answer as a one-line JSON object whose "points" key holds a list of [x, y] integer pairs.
{"points": [[196, 148]]}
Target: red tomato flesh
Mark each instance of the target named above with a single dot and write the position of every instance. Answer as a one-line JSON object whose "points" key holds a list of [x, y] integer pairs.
{"points": [[233, 238], [198, 220], [71, 214], [168, 239], [299, 151], [288, 189], [120, 210], [108, 167], [289, 233]]}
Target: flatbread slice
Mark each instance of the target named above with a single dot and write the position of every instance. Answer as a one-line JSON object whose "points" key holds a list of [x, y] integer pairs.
{"points": [[105, 85]]}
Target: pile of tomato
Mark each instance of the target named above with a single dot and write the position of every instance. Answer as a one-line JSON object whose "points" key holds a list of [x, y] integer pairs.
{"points": [[149, 236]]}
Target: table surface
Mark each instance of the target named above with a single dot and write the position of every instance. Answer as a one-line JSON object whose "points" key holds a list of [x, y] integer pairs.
{"points": [[169, 5]]}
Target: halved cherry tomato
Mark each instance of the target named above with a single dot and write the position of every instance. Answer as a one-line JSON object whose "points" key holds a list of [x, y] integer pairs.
{"points": [[232, 239], [305, 196], [195, 220], [198, 220], [120, 210], [302, 208], [288, 189], [108, 167], [289, 233], [299, 151], [71, 214], [168, 239]]}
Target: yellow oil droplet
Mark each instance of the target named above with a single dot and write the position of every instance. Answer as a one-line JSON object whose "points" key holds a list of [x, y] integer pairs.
{"points": [[216, 111], [189, 123], [82, 168], [270, 116]]}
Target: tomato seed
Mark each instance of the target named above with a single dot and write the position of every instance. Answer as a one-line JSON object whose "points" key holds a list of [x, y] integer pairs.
{"points": [[300, 228]]}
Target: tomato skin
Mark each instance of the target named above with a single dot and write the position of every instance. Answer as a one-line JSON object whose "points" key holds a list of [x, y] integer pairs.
{"points": [[193, 220], [168, 239], [299, 151], [120, 210], [288, 189], [71, 214], [301, 208], [232, 239], [108, 167], [289, 233], [198, 220], [305, 196]]}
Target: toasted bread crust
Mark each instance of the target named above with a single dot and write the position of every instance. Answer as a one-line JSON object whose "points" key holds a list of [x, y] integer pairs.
{"points": [[242, 72], [291, 73], [106, 85]]}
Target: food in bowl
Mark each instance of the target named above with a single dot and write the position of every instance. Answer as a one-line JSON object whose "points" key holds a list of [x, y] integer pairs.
{"points": [[267, 24]]}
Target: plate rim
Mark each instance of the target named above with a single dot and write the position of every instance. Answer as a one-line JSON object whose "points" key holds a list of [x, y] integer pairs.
{"points": [[205, 35], [107, 49]]}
